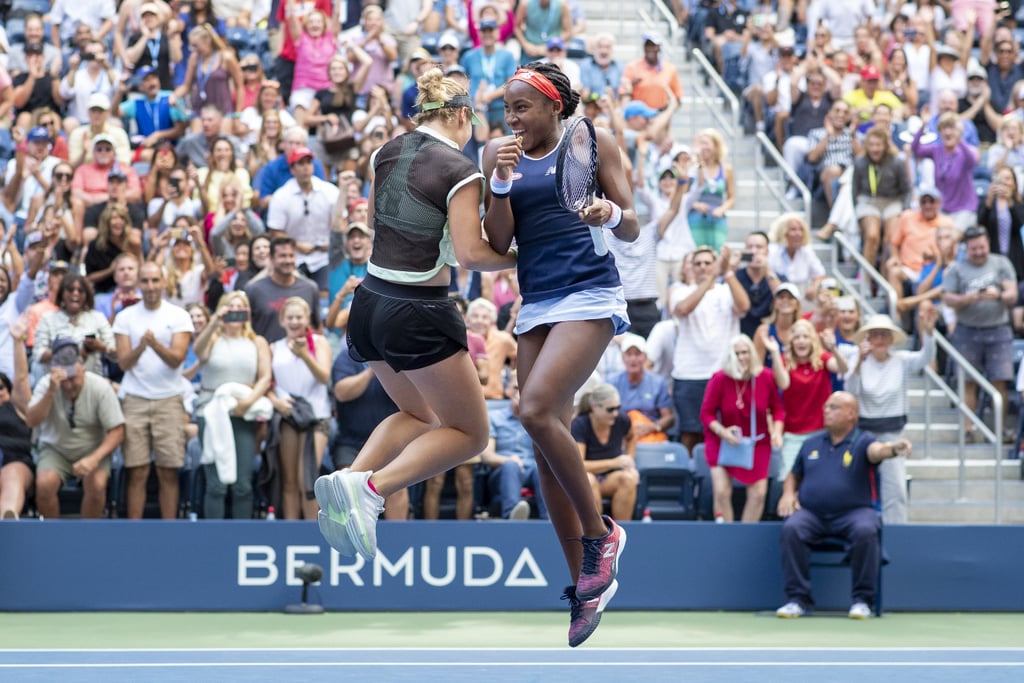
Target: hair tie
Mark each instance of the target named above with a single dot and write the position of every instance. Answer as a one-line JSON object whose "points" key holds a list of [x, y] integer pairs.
{"points": [[540, 82]]}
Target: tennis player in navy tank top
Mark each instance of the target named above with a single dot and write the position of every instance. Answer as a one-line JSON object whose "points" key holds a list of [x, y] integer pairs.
{"points": [[573, 303]]}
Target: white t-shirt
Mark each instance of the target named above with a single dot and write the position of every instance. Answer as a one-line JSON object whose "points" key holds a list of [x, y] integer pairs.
{"points": [[305, 218], [189, 208], [704, 333], [31, 187], [152, 378]]}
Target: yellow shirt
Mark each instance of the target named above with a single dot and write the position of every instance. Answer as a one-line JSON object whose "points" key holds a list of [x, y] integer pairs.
{"points": [[218, 180], [859, 101]]}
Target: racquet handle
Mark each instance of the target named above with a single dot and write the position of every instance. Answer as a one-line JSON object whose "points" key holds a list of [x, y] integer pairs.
{"points": [[597, 234]]}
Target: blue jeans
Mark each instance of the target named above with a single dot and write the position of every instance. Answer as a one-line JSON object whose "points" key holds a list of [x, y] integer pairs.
{"points": [[507, 481]]}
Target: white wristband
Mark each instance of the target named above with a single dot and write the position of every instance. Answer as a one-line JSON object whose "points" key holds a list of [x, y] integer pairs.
{"points": [[616, 218]]}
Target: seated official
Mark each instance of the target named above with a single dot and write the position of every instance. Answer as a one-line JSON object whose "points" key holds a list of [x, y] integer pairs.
{"points": [[829, 493]]}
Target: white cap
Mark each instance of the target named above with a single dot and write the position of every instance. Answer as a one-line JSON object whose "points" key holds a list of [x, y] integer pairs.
{"points": [[633, 341]]}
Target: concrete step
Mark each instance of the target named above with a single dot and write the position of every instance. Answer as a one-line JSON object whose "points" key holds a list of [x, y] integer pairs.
{"points": [[926, 491], [947, 469], [964, 513]]}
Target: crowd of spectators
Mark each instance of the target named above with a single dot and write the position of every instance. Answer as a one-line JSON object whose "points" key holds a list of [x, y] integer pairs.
{"points": [[184, 214]]}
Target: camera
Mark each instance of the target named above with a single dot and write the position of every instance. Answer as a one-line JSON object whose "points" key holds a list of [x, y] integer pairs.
{"points": [[175, 183], [88, 57], [177, 233], [746, 257]]}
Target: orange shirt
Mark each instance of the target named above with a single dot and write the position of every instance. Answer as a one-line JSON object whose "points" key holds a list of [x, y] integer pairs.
{"points": [[915, 237], [647, 83]]}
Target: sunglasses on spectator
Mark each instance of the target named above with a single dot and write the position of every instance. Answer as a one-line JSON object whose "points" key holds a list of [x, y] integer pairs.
{"points": [[927, 200], [612, 409], [104, 148], [62, 175], [48, 122], [250, 67]]}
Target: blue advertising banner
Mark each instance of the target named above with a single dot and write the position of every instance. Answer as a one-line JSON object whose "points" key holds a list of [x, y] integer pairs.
{"points": [[210, 565]]}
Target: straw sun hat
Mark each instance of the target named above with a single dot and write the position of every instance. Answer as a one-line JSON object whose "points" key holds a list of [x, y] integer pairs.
{"points": [[880, 322]]}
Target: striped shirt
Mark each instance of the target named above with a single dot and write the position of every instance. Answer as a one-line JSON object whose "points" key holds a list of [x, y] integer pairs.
{"points": [[635, 262], [881, 387], [838, 151]]}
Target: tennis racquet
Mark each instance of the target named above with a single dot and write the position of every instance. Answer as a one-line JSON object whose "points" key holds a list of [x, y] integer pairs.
{"points": [[576, 173]]}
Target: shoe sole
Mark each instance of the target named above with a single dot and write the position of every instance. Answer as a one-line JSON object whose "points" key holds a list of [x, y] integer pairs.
{"points": [[615, 569], [356, 529], [520, 512], [788, 616], [335, 532], [859, 617], [605, 598]]}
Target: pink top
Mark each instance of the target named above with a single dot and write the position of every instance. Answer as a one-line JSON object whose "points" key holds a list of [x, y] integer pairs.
{"points": [[311, 58], [505, 31], [92, 179], [503, 293]]}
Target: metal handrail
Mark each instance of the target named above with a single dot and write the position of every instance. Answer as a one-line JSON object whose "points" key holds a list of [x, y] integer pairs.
{"points": [[765, 145], [867, 271], [956, 396], [995, 435], [723, 90], [667, 17]]}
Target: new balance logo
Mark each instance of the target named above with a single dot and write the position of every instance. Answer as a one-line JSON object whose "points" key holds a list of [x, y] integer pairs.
{"points": [[609, 550]]}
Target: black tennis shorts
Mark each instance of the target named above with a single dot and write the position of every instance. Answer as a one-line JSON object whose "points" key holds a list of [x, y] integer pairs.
{"points": [[407, 326]]}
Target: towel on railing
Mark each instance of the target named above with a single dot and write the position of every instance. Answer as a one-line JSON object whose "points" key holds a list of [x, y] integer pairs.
{"points": [[218, 437]]}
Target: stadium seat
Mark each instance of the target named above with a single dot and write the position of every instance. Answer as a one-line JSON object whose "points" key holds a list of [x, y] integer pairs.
{"points": [[667, 486], [702, 474]]}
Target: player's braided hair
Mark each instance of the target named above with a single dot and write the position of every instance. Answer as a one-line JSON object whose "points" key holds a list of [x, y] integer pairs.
{"points": [[570, 98]]}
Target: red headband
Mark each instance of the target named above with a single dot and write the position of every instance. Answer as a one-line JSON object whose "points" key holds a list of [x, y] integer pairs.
{"points": [[540, 82]]}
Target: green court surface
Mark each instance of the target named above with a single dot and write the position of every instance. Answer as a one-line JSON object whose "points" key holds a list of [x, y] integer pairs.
{"points": [[501, 629]]}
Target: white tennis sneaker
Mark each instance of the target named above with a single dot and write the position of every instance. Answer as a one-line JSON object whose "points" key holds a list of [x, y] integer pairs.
{"points": [[860, 610], [348, 512], [791, 610]]}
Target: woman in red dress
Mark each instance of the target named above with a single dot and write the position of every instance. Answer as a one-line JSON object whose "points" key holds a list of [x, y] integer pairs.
{"points": [[728, 400]]}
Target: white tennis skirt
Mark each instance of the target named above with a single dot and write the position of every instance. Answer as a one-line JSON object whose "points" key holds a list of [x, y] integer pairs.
{"points": [[590, 304]]}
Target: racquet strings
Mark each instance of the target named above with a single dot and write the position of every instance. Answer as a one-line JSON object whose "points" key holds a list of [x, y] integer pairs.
{"points": [[578, 168]]}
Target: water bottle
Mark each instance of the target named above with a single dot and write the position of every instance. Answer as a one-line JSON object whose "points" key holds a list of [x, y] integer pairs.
{"points": [[270, 514], [647, 517], [193, 516], [719, 518]]}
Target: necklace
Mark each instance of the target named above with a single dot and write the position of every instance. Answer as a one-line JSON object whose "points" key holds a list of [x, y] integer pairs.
{"points": [[740, 387]]}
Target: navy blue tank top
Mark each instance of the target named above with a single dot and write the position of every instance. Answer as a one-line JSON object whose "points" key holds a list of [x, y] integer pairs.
{"points": [[557, 256]]}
